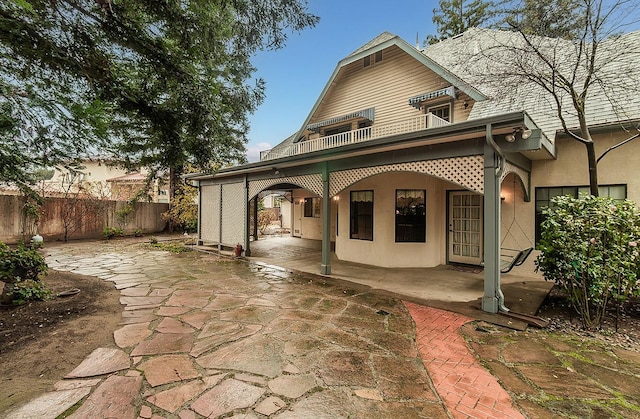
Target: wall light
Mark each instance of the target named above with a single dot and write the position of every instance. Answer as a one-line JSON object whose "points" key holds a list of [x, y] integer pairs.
{"points": [[526, 134], [510, 138], [336, 198]]}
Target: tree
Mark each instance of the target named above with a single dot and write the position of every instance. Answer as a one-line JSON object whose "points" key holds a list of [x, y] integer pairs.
{"points": [[557, 19], [159, 83], [564, 76], [456, 16]]}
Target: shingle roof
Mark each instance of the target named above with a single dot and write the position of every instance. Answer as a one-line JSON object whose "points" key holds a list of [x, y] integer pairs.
{"points": [[380, 39], [480, 56]]}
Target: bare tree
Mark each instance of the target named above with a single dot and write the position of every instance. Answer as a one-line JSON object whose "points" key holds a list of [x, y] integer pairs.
{"points": [[82, 203], [586, 73]]}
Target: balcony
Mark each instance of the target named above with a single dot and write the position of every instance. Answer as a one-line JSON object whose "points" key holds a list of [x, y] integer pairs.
{"points": [[373, 132]]}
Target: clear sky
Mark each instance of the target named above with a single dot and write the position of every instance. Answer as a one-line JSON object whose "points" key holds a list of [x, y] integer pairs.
{"points": [[296, 74]]}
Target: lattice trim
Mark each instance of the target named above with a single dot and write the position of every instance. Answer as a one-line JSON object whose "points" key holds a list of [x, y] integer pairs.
{"points": [[467, 172], [522, 174], [312, 182]]}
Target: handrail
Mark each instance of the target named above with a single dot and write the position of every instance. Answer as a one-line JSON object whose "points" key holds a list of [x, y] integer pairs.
{"points": [[418, 123]]}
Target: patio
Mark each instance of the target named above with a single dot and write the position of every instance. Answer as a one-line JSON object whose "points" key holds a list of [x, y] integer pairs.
{"points": [[454, 288]]}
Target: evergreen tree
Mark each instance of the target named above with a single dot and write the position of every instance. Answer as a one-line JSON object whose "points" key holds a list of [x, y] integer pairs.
{"points": [[456, 16]]}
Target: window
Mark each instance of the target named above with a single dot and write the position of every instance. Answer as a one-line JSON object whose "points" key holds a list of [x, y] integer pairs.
{"points": [[544, 196], [411, 216], [337, 130], [378, 56], [441, 111], [361, 224], [312, 207], [366, 61]]}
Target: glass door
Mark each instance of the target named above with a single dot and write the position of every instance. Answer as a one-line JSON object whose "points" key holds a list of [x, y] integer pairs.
{"points": [[465, 228]]}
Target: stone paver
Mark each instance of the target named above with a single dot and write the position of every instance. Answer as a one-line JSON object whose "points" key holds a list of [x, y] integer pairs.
{"points": [[204, 337], [101, 361]]}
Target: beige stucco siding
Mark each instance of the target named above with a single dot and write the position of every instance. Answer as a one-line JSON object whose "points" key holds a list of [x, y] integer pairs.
{"points": [[569, 169], [383, 250], [386, 85]]}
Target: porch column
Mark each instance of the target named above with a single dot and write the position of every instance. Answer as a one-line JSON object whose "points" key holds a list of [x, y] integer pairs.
{"points": [[325, 267], [493, 298]]}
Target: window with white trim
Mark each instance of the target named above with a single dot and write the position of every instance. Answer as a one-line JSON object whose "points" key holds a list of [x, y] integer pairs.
{"points": [[441, 111]]}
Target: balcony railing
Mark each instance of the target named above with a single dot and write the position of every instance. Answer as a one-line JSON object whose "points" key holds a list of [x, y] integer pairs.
{"points": [[418, 123]]}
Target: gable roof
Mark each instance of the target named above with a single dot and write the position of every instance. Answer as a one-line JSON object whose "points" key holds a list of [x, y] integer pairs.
{"points": [[380, 42]]}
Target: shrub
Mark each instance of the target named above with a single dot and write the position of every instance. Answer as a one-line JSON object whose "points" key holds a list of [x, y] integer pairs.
{"points": [[29, 290], [20, 269], [589, 247], [111, 232], [21, 263]]}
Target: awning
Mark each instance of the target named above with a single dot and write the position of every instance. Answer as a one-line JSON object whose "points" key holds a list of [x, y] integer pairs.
{"points": [[416, 100], [365, 113]]}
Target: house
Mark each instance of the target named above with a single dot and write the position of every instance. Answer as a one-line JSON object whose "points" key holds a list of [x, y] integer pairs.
{"points": [[406, 161], [96, 176]]}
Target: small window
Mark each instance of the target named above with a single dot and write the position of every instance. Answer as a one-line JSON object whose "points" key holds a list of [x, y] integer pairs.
{"points": [[378, 56], [312, 207], [545, 195], [366, 61], [361, 223], [441, 111], [411, 216]]}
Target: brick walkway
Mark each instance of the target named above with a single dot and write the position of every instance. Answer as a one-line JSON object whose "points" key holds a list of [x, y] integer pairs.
{"points": [[466, 387]]}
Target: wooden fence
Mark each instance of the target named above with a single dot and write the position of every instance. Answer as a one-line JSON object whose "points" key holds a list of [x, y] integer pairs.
{"points": [[77, 218]]}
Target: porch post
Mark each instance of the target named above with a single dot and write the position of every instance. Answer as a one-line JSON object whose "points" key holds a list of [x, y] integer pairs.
{"points": [[493, 299], [247, 225], [325, 267]]}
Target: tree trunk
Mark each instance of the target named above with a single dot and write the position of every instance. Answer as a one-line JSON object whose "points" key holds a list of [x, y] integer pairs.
{"points": [[593, 168]]}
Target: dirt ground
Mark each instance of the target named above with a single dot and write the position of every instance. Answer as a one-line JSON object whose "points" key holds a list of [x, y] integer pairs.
{"points": [[42, 341]]}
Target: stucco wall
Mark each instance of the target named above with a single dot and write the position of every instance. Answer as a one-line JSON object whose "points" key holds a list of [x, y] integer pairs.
{"points": [[383, 250], [570, 168], [305, 227]]}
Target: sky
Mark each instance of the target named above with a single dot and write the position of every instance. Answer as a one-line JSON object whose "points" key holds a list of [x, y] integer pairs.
{"points": [[296, 74]]}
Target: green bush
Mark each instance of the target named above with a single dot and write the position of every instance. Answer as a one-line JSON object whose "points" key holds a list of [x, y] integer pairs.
{"points": [[20, 269], [111, 232], [589, 248], [29, 290], [21, 263]]}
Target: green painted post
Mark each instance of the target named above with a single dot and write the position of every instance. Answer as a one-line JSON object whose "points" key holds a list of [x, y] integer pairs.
{"points": [[325, 267], [492, 299]]}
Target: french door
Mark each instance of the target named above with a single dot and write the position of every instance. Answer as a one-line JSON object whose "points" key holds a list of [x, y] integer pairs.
{"points": [[465, 227]]}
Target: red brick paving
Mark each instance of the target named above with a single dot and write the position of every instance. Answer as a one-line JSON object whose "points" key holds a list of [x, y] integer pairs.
{"points": [[467, 389]]}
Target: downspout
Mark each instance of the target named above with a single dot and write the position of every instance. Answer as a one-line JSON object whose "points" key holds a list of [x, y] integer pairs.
{"points": [[498, 175]]}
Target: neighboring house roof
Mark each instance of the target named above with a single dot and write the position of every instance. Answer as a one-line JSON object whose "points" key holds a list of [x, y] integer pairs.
{"points": [[479, 55], [129, 178]]}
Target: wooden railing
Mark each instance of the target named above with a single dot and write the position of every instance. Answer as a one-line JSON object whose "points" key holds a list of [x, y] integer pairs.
{"points": [[418, 123]]}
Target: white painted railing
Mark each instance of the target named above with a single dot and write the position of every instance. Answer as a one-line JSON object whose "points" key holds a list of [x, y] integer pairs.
{"points": [[418, 123]]}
